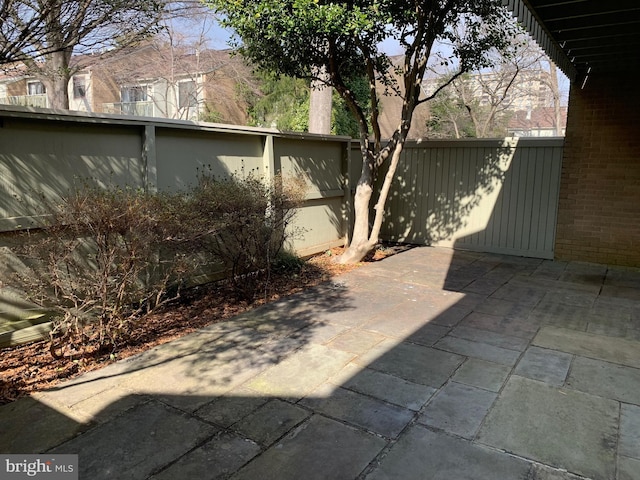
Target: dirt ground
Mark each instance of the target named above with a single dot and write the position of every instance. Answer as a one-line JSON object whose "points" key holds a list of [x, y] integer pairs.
{"points": [[28, 368]]}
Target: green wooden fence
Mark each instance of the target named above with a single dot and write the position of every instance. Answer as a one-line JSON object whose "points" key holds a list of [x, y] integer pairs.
{"points": [[44, 155], [487, 195]]}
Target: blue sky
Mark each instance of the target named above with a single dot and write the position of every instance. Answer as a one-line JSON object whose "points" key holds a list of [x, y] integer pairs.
{"points": [[219, 38]]}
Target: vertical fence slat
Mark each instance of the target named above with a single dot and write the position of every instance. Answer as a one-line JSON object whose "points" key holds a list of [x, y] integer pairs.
{"points": [[531, 183], [536, 211], [453, 195], [149, 159]]}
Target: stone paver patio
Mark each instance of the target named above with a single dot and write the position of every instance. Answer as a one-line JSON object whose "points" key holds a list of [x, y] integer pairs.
{"points": [[431, 364]]}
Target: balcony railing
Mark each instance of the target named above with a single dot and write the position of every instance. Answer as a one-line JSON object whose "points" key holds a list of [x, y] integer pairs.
{"points": [[26, 100], [138, 109]]}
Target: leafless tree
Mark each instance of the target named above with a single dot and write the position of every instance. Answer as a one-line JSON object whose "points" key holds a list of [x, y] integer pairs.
{"points": [[44, 34], [178, 74], [550, 79], [522, 80], [491, 93]]}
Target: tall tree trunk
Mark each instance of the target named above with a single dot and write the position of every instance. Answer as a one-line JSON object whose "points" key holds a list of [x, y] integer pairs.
{"points": [[365, 237], [320, 102], [360, 245], [456, 129], [55, 71], [55, 76], [555, 92]]}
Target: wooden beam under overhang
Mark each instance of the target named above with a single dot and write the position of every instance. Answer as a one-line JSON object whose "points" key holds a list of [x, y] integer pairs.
{"points": [[528, 18]]}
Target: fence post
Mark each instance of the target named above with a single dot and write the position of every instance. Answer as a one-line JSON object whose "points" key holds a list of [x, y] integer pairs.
{"points": [[347, 200], [149, 159], [268, 158]]}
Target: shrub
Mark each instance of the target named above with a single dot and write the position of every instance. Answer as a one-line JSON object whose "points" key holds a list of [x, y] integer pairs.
{"points": [[104, 257], [287, 262], [247, 223]]}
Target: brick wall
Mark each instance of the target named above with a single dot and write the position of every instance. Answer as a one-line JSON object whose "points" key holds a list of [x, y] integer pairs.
{"points": [[104, 89], [16, 89], [599, 204]]}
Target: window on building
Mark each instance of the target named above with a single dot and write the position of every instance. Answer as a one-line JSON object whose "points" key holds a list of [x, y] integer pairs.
{"points": [[134, 93], [36, 88], [187, 94], [79, 87]]}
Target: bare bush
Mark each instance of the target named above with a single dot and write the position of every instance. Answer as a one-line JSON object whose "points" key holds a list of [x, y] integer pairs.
{"points": [[247, 222], [104, 257], [107, 256]]}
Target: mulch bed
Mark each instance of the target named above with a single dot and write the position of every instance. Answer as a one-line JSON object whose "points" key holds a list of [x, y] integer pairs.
{"points": [[29, 368]]}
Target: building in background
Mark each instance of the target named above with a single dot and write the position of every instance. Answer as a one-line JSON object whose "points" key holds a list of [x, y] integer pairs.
{"points": [[538, 122], [145, 81], [17, 87], [506, 100]]}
